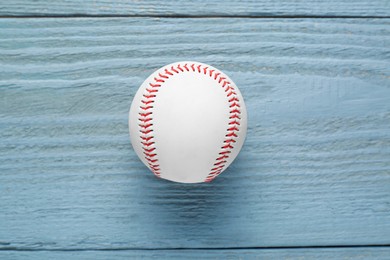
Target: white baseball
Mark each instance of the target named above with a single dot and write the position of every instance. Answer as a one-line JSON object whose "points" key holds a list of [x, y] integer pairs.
{"points": [[187, 122]]}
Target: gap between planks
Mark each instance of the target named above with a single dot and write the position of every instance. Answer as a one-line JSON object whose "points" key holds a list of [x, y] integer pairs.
{"points": [[184, 16], [194, 248]]}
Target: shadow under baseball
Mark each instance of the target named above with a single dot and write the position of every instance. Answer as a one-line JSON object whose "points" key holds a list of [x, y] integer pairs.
{"points": [[194, 215]]}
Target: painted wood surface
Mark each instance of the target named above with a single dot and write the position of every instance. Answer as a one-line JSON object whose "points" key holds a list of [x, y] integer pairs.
{"points": [[291, 254], [198, 8], [314, 171]]}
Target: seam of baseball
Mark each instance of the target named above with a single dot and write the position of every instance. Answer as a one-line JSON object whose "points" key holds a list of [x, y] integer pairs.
{"points": [[146, 120]]}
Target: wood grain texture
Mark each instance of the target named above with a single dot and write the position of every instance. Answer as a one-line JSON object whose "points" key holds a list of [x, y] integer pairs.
{"points": [[315, 168], [290, 254], [198, 8]]}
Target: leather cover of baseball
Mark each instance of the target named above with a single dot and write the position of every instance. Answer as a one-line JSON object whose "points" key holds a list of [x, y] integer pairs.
{"points": [[187, 122]]}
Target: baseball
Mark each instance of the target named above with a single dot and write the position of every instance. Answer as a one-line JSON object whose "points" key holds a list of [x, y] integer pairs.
{"points": [[187, 122]]}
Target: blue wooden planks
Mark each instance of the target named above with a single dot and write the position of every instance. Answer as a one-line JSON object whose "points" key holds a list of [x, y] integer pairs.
{"points": [[314, 170], [264, 8], [314, 173], [374, 253]]}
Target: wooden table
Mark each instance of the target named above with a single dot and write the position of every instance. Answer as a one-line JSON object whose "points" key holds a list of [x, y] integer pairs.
{"points": [[313, 178]]}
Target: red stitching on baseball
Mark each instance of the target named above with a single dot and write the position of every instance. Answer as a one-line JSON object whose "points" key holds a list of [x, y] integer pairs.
{"points": [[231, 134], [147, 137], [225, 152], [223, 157], [234, 104], [149, 150], [147, 134], [231, 93], [217, 168], [178, 66], [147, 143], [144, 119], [154, 85], [227, 146], [173, 69], [234, 128], [163, 76], [145, 126], [234, 116], [152, 90], [147, 131], [150, 154], [146, 107], [146, 102], [168, 72], [233, 99], [219, 163], [151, 160], [145, 114], [229, 88], [234, 123], [159, 80]]}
